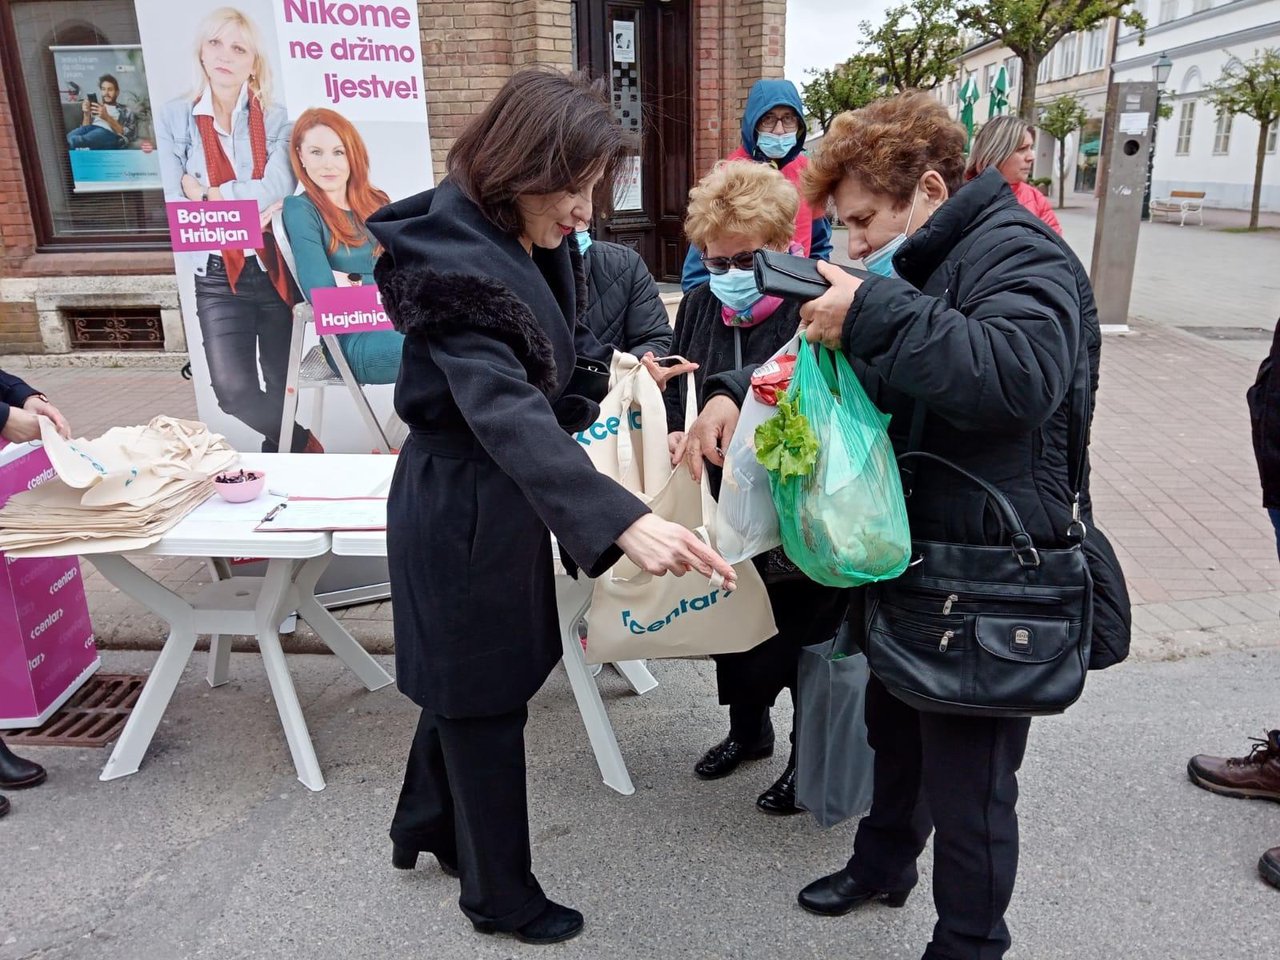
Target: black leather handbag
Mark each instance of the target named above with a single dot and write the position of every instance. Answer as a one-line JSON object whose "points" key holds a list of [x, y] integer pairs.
{"points": [[793, 278], [989, 631]]}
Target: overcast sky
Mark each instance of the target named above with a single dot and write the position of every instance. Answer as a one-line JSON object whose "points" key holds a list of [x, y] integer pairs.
{"points": [[822, 33]]}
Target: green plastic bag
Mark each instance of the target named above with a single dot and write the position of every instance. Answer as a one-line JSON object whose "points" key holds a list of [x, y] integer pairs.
{"points": [[834, 476]]}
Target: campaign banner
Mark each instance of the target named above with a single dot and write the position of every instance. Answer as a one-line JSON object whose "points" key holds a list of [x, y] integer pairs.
{"points": [[106, 113], [309, 115], [281, 126]]}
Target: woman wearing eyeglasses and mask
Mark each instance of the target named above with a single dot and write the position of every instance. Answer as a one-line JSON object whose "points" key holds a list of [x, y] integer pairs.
{"points": [[724, 325], [978, 323]]}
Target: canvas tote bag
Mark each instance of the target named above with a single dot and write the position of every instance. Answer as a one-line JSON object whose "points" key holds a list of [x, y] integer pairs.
{"points": [[635, 615], [628, 441]]}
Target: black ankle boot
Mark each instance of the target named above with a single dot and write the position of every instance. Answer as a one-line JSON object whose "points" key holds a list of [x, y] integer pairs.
{"points": [[406, 858], [16, 773], [838, 893], [780, 799], [554, 924]]}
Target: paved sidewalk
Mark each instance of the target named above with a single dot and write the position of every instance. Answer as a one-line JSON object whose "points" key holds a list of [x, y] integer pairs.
{"points": [[213, 851]]}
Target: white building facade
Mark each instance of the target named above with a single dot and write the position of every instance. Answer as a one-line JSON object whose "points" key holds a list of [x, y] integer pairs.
{"points": [[1196, 149]]}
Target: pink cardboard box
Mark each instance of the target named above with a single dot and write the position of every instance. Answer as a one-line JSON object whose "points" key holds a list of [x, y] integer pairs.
{"points": [[47, 650]]}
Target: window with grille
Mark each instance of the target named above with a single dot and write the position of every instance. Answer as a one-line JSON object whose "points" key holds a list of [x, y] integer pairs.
{"points": [[1185, 119], [1067, 50], [1168, 10], [45, 42], [120, 328], [1199, 6], [1222, 134], [1096, 56], [1271, 138]]}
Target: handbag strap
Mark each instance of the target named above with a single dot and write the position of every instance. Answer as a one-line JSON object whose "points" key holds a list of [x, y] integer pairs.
{"points": [[1023, 546]]}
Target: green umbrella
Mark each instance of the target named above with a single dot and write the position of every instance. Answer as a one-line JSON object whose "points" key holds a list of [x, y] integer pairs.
{"points": [[968, 97], [999, 94]]}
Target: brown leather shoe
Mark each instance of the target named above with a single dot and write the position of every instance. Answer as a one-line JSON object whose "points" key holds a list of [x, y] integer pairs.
{"points": [[1256, 776], [1269, 866]]}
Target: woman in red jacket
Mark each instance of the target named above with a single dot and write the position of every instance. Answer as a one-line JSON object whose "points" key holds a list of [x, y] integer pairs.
{"points": [[1008, 144]]}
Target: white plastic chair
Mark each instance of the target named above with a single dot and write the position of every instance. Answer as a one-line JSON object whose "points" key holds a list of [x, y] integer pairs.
{"points": [[312, 371]]}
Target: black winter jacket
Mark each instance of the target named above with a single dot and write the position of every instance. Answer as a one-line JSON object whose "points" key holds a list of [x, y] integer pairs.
{"points": [[490, 346], [14, 392], [1264, 413], [624, 308], [985, 324]]}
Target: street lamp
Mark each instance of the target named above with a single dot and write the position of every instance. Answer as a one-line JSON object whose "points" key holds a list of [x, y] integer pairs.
{"points": [[1160, 71]]}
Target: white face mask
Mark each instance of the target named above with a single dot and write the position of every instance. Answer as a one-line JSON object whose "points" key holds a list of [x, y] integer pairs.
{"points": [[880, 261]]}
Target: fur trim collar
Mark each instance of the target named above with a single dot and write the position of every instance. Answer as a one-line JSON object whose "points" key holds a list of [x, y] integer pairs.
{"points": [[418, 299]]}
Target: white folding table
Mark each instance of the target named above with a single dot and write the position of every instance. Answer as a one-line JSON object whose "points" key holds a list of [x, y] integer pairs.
{"points": [[243, 605]]}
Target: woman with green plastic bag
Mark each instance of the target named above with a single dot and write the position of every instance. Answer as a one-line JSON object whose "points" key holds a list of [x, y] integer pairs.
{"points": [[969, 335]]}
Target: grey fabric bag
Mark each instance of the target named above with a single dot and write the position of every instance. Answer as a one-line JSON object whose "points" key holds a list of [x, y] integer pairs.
{"points": [[834, 762]]}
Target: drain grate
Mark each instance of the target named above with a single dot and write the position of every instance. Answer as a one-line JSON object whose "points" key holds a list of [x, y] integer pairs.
{"points": [[1230, 333], [93, 717]]}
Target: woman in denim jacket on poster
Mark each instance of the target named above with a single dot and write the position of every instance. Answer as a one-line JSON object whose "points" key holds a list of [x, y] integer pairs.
{"points": [[228, 141]]}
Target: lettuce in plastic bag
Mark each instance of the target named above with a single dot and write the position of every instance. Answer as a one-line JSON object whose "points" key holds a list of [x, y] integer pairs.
{"points": [[786, 444]]}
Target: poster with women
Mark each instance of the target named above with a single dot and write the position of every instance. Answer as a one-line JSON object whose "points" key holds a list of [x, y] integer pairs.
{"points": [[280, 126]]}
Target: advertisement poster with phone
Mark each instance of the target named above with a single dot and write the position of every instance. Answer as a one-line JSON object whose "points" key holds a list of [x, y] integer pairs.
{"points": [[106, 118]]}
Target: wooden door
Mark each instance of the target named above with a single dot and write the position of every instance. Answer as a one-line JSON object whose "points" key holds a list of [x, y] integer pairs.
{"points": [[643, 49]]}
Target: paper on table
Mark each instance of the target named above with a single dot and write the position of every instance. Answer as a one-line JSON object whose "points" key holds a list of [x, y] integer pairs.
{"points": [[325, 513]]}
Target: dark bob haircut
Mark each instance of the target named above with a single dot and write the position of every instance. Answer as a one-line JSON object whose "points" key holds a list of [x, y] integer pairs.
{"points": [[542, 133]]}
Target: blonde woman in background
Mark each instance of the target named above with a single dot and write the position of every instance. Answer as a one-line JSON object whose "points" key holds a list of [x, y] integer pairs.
{"points": [[1008, 144], [227, 140]]}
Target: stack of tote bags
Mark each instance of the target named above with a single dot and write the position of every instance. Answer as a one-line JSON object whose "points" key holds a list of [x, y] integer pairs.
{"points": [[120, 492], [635, 615]]}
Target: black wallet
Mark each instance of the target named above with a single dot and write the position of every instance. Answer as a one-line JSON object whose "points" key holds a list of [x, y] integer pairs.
{"points": [[590, 379], [793, 278]]}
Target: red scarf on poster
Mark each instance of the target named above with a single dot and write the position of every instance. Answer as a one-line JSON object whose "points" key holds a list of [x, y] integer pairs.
{"points": [[221, 171]]}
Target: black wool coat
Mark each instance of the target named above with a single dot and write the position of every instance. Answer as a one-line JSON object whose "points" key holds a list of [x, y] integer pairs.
{"points": [[489, 466], [984, 325], [1264, 415], [624, 308]]}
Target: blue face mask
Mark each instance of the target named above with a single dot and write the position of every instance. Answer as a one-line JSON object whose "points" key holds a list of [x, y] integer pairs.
{"points": [[775, 146], [736, 289], [881, 261], [584, 241]]}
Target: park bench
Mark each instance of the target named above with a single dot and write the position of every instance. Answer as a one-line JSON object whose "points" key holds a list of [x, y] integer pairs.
{"points": [[1180, 202]]}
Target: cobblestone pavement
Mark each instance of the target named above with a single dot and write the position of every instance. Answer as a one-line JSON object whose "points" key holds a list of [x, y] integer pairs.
{"points": [[1174, 481]]}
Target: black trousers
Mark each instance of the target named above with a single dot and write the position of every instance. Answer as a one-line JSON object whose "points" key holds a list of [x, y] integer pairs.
{"points": [[956, 776], [465, 799], [749, 682], [241, 330]]}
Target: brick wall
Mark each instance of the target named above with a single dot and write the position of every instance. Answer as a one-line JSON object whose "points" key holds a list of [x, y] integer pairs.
{"points": [[736, 42], [470, 49], [19, 326]]}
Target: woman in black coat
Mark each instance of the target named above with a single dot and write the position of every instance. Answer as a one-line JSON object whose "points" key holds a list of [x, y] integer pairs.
{"points": [[727, 325], [478, 277], [980, 314], [624, 309]]}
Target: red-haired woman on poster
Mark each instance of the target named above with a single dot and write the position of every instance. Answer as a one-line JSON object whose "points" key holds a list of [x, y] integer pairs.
{"points": [[227, 140], [326, 228]]}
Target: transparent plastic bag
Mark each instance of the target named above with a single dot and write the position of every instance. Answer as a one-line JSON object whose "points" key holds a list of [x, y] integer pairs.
{"points": [[842, 516], [746, 519]]}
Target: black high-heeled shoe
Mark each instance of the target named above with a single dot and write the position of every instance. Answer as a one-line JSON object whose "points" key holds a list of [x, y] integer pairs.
{"points": [[555, 924], [405, 858], [838, 893]]}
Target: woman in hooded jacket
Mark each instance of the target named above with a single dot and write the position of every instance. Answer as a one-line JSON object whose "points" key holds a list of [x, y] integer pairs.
{"points": [[478, 276]]}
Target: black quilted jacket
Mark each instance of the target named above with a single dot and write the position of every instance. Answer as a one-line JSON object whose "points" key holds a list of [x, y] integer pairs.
{"points": [[624, 309]]}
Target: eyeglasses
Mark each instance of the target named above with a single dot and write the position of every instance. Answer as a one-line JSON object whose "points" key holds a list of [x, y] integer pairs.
{"points": [[789, 122], [721, 265]]}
